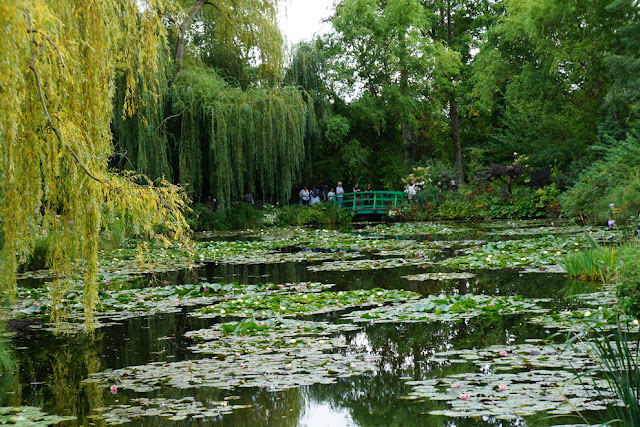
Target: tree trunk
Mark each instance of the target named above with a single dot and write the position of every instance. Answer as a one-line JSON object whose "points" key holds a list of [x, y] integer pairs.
{"points": [[453, 109], [455, 134], [186, 24]]}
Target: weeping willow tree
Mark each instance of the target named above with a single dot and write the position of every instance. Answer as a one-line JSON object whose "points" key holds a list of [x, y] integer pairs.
{"points": [[242, 140], [58, 64], [227, 127]]}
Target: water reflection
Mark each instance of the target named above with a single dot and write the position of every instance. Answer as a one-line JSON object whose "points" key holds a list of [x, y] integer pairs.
{"points": [[52, 368]]}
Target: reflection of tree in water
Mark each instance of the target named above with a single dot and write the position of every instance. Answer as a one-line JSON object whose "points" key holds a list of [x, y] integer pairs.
{"points": [[157, 338], [70, 364], [10, 391], [405, 351], [268, 409], [258, 273]]}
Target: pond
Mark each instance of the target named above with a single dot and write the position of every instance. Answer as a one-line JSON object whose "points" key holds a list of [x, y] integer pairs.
{"points": [[413, 324]]}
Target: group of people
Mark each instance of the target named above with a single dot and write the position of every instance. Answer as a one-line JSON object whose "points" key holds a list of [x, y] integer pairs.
{"points": [[323, 194], [326, 194]]}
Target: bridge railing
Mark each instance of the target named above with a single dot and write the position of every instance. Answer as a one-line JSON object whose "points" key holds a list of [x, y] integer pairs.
{"points": [[378, 201]]}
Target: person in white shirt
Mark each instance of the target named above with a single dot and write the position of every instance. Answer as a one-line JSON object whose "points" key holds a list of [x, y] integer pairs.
{"points": [[330, 195], [339, 193], [304, 195]]}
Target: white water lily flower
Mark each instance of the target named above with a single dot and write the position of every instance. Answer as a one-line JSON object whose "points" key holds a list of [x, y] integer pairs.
{"points": [[240, 300], [282, 307], [587, 314], [378, 293], [293, 340], [635, 322]]}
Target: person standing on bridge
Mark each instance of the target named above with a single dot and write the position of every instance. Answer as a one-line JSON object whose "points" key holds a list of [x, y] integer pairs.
{"points": [[356, 189], [368, 194], [339, 193]]}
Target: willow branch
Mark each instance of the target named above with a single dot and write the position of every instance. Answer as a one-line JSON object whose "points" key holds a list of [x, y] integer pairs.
{"points": [[171, 117], [51, 43]]}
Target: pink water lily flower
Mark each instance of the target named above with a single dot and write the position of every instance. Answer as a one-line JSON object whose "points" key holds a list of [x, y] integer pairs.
{"points": [[492, 303], [455, 385], [114, 389], [502, 387], [106, 280], [503, 352], [464, 396]]}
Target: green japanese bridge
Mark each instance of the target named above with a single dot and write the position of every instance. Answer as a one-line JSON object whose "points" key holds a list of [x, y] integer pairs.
{"points": [[371, 202]]}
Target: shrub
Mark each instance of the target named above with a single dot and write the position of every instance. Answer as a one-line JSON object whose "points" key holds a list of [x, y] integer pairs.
{"points": [[628, 290], [321, 214], [613, 179]]}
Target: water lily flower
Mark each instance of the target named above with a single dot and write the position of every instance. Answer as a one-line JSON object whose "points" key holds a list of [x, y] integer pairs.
{"points": [[140, 300], [464, 396], [491, 304], [455, 385], [611, 205], [20, 293], [635, 322], [611, 223], [587, 313], [36, 303], [475, 247], [114, 389], [106, 280], [502, 387], [107, 292], [147, 295], [503, 352]]}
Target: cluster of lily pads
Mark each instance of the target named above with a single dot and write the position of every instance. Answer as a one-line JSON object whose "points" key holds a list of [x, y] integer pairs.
{"points": [[268, 336], [288, 305], [368, 264], [275, 370], [126, 303], [536, 252], [168, 409], [518, 380], [440, 276], [448, 308], [29, 416]]}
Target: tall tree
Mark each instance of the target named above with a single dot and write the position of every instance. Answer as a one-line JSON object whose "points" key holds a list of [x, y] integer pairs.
{"points": [[380, 49], [459, 25], [545, 70]]}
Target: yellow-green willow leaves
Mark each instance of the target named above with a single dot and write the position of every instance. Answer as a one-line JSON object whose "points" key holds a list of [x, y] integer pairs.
{"points": [[58, 62]]}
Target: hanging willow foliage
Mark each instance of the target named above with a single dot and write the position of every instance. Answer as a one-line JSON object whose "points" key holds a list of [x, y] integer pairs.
{"points": [[253, 138], [57, 66]]}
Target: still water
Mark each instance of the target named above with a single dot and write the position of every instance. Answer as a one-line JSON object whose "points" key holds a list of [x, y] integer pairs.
{"points": [[52, 367]]}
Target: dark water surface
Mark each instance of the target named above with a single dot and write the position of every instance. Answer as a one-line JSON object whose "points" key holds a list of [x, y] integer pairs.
{"points": [[52, 367]]}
